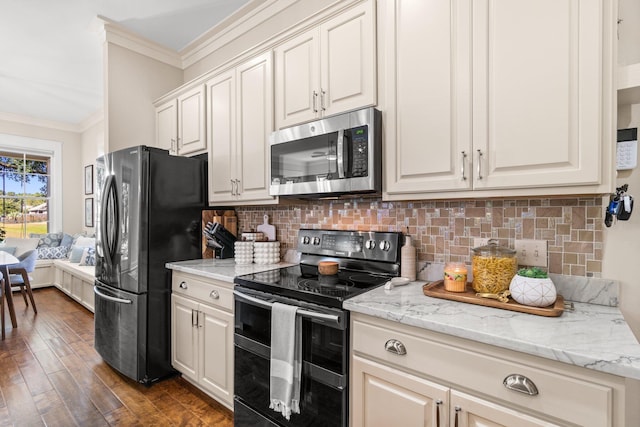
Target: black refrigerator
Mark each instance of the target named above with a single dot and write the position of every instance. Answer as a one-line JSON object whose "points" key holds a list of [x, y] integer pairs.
{"points": [[149, 207]]}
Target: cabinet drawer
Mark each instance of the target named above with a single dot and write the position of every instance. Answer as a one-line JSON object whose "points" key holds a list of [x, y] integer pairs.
{"points": [[212, 294], [562, 396]]}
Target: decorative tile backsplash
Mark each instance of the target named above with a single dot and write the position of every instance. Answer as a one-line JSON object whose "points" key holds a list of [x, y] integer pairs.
{"points": [[444, 231]]}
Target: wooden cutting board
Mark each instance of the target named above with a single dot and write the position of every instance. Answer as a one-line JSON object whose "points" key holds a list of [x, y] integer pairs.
{"points": [[437, 290], [267, 229]]}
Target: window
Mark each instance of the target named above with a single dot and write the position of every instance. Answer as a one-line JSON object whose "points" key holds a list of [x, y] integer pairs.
{"points": [[30, 186], [24, 193]]}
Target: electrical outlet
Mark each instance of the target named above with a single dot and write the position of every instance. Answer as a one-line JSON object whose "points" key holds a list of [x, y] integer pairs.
{"points": [[532, 253], [480, 241]]}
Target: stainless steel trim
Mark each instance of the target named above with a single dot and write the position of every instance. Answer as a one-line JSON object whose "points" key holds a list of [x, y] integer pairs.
{"points": [[110, 298], [396, 347], [340, 153], [462, 170], [521, 384], [302, 312]]}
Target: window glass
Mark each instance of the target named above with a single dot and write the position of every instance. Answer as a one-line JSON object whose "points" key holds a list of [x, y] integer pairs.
{"points": [[24, 194]]}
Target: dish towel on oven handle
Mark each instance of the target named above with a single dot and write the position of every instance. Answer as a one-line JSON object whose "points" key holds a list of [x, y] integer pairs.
{"points": [[286, 359]]}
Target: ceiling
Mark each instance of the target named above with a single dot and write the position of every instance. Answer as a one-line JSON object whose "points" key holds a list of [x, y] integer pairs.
{"points": [[51, 67]]}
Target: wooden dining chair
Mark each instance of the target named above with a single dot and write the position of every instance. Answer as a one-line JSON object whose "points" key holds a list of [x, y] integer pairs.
{"points": [[19, 275]]}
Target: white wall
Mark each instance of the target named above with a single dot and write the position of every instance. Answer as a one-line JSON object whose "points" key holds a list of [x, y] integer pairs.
{"points": [[621, 252], [93, 146], [629, 32], [134, 82], [71, 164]]}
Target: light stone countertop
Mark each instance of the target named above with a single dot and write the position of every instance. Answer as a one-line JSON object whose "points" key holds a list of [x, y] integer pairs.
{"points": [[221, 269], [592, 336]]}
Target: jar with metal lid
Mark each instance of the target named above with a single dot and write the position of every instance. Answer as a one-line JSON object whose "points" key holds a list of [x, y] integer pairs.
{"points": [[493, 267]]}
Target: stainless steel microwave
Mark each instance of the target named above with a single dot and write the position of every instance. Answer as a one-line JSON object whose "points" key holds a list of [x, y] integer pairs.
{"points": [[333, 156]]}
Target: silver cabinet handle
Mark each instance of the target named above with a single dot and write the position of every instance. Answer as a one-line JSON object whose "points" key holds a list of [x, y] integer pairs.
{"points": [[179, 144], [521, 384], [396, 347], [322, 94], [438, 405], [237, 187], [214, 294], [479, 164], [194, 317], [315, 101], [458, 410], [462, 170], [173, 145], [232, 191], [183, 285]]}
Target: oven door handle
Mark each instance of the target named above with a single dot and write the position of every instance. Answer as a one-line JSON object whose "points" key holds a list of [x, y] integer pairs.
{"points": [[302, 312]]}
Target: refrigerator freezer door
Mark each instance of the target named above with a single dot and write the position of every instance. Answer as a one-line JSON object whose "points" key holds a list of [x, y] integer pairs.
{"points": [[120, 329]]}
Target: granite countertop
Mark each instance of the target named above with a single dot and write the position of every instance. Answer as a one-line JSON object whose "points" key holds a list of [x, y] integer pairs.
{"points": [[592, 336], [221, 269]]}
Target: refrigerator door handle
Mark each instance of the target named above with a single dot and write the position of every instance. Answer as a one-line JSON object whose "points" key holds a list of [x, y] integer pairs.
{"points": [[110, 298], [110, 220]]}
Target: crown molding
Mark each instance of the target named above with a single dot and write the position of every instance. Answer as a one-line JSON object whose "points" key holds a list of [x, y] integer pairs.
{"points": [[31, 121], [117, 34], [92, 120], [251, 15]]}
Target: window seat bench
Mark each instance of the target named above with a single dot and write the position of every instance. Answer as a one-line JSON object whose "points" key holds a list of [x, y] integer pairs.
{"points": [[71, 278]]}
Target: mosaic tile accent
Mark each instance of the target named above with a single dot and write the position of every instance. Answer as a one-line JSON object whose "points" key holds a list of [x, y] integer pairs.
{"points": [[444, 231]]}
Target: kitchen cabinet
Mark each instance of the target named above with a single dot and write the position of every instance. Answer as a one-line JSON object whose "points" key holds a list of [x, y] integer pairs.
{"points": [[402, 375], [496, 98], [181, 123], [327, 70], [239, 121], [202, 334]]}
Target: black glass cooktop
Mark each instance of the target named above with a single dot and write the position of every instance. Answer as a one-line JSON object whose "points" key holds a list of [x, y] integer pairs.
{"points": [[303, 282]]}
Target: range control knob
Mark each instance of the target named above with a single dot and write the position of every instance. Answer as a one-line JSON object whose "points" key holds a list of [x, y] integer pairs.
{"points": [[370, 244], [316, 240], [385, 245], [306, 240]]}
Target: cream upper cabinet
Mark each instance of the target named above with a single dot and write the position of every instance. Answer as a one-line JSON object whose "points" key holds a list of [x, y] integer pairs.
{"points": [[510, 97], [239, 121], [327, 70], [180, 123]]}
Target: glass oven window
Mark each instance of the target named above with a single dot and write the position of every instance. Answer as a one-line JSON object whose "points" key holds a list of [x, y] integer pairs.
{"points": [[306, 160]]}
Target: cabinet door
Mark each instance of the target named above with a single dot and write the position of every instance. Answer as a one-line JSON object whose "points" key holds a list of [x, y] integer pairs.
{"points": [[538, 92], [184, 335], [254, 124], [167, 126], [221, 118], [216, 352], [382, 397], [427, 95], [191, 121], [297, 82], [348, 61], [470, 411]]}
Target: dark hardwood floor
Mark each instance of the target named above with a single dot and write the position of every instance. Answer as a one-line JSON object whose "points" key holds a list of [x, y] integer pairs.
{"points": [[51, 375]]}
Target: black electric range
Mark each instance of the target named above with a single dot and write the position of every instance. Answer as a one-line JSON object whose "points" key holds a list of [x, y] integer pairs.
{"points": [[366, 260]]}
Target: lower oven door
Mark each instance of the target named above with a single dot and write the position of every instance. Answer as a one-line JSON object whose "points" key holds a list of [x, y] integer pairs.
{"points": [[323, 391]]}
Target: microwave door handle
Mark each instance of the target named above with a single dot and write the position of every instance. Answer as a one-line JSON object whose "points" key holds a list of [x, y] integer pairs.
{"points": [[340, 153]]}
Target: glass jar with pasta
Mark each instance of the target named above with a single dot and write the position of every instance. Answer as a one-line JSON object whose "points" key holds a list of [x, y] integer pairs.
{"points": [[493, 267]]}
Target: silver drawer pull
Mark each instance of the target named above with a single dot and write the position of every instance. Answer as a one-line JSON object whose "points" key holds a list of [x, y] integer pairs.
{"points": [[214, 294], [521, 384], [183, 285], [396, 347]]}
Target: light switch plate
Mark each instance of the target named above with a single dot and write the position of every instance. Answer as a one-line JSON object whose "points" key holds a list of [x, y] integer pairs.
{"points": [[531, 253]]}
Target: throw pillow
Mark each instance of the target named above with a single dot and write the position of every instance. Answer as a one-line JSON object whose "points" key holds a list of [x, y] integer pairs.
{"points": [[85, 242], [56, 252], [21, 245], [67, 240], [88, 257], [75, 253], [48, 240], [9, 249]]}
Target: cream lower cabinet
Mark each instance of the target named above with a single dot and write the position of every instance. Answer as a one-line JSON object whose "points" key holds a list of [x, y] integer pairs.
{"points": [[202, 335], [239, 121], [494, 98], [401, 375]]}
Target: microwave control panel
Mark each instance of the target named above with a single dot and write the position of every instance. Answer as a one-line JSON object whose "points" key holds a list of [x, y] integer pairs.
{"points": [[360, 151]]}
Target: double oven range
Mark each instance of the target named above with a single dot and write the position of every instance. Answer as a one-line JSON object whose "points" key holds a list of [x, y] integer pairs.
{"points": [[366, 260]]}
